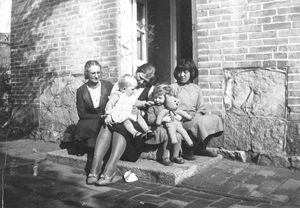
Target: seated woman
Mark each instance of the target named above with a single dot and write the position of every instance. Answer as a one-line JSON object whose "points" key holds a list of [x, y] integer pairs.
{"points": [[117, 139], [203, 126], [91, 99]]}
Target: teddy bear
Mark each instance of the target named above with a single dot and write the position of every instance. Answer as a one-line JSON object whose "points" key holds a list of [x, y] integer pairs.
{"points": [[172, 123]]}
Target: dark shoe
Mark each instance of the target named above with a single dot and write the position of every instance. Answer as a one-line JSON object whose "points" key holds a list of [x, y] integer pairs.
{"points": [[166, 161], [148, 135], [207, 153], [178, 160], [91, 179], [106, 180], [189, 155], [138, 135]]}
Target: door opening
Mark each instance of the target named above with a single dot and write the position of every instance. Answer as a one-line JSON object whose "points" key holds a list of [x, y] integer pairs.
{"points": [[170, 35]]}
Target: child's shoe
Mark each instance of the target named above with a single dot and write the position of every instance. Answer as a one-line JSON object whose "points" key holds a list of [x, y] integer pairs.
{"points": [[178, 160], [148, 135], [166, 161]]}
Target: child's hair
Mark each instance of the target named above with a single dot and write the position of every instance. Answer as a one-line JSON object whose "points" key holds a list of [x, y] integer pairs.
{"points": [[127, 81], [161, 89]]}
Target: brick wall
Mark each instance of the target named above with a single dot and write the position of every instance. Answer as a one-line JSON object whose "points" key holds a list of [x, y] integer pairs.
{"points": [[249, 33], [56, 38]]}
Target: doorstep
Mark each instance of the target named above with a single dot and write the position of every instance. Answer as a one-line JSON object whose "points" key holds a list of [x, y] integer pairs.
{"points": [[145, 169]]}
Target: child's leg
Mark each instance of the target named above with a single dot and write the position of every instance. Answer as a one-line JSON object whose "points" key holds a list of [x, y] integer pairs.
{"points": [[129, 127], [176, 148], [142, 123], [166, 154], [176, 158], [171, 129]]}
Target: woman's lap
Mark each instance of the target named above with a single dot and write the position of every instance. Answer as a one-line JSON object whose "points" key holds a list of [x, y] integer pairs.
{"points": [[87, 129], [202, 126]]}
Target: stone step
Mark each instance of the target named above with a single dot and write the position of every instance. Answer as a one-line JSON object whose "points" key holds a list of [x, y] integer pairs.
{"points": [[145, 169]]}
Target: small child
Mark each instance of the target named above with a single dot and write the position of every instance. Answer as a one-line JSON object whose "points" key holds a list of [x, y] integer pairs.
{"points": [[159, 93], [119, 108]]}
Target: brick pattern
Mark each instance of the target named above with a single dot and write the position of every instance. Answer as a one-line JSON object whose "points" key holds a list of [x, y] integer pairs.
{"points": [[248, 33], [57, 38]]}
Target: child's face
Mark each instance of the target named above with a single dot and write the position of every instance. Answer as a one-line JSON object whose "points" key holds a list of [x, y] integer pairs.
{"points": [[129, 90], [159, 100]]}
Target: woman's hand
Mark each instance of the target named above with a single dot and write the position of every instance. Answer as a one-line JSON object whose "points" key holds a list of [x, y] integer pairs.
{"points": [[108, 120], [167, 119]]}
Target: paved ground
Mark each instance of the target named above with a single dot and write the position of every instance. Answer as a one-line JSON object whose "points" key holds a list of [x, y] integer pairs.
{"points": [[226, 184]]}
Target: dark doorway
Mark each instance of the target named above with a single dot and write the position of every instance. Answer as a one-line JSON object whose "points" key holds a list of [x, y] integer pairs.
{"points": [[169, 35]]}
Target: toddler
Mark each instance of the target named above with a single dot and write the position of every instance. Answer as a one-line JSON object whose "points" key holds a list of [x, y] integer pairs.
{"points": [[119, 108], [159, 93]]}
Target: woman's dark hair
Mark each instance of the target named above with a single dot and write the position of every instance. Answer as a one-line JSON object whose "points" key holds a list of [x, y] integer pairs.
{"points": [[186, 65], [87, 65], [149, 71]]}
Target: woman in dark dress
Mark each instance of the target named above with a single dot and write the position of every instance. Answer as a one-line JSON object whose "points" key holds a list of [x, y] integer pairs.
{"points": [[91, 99], [116, 138]]}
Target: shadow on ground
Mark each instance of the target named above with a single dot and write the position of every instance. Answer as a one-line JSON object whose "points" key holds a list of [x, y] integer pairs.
{"points": [[55, 186]]}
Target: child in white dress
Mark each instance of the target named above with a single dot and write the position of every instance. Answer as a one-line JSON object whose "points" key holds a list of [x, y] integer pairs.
{"points": [[120, 105]]}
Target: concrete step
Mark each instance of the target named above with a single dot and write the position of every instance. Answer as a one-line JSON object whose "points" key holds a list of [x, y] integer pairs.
{"points": [[145, 169]]}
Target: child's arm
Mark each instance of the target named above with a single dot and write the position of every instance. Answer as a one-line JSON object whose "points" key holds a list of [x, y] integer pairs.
{"points": [[113, 99], [143, 103], [184, 114], [160, 116]]}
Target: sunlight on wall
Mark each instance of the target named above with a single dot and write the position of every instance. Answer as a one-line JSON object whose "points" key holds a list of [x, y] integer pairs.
{"points": [[5, 16]]}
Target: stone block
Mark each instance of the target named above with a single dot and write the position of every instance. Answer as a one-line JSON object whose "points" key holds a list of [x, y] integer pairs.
{"points": [[146, 170], [58, 108], [295, 161], [276, 160], [255, 102]]}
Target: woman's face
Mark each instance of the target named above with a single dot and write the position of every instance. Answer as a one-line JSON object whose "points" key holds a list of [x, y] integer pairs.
{"points": [[141, 79], [94, 73], [184, 77]]}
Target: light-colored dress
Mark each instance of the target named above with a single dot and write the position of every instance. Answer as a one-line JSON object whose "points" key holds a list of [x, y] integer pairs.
{"points": [[122, 109], [191, 101]]}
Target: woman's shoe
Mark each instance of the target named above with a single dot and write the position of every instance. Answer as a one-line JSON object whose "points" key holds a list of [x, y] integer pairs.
{"points": [[166, 161], [106, 180], [178, 160], [189, 155], [207, 153], [91, 179]]}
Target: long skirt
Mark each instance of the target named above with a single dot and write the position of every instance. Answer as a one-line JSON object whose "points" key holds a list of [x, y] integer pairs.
{"points": [[202, 126]]}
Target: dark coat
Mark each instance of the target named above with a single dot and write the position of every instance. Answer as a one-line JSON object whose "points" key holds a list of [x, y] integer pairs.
{"points": [[90, 122]]}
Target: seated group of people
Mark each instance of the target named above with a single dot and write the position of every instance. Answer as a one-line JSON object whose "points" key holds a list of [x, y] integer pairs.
{"points": [[138, 111]]}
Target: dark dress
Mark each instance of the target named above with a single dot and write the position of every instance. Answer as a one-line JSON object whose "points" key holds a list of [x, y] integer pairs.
{"points": [[134, 147], [90, 122]]}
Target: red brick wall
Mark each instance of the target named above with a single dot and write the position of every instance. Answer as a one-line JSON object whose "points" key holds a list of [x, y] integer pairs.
{"points": [[56, 38], [249, 33]]}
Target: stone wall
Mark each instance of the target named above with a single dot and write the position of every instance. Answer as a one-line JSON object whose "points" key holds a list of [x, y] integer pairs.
{"points": [[251, 33]]}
